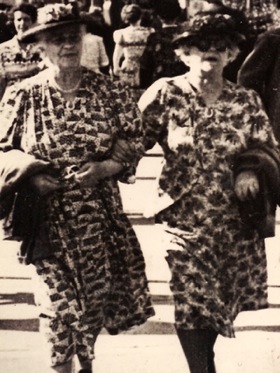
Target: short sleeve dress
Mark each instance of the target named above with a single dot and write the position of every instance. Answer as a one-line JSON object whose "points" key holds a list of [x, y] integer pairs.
{"points": [[86, 250], [94, 54], [133, 39], [218, 267]]}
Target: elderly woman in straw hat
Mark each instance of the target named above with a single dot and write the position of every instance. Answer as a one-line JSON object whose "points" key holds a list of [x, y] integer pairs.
{"points": [[217, 144], [66, 126]]}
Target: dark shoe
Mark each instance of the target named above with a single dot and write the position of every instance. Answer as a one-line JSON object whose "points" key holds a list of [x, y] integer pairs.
{"points": [[85, 371]]}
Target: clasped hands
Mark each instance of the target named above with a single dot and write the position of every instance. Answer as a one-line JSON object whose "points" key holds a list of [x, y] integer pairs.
{"points": [[246, 185], [89, 173]]}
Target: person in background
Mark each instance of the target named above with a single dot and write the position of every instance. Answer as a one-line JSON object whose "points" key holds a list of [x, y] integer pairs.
{"points": [[147, 7], [18, 60], [94, 55], [105, 31], [242, 26], [59, 133], [6, 31], [260, 71], [219, 150], [130, 43], [158, 59]]}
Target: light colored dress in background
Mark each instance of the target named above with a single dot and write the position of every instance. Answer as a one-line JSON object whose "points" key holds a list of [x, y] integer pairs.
{"points": [[133, 41], [18, 63], [94, 54]]}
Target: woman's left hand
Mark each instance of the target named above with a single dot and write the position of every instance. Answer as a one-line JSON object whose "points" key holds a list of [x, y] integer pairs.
{"points": [[246, 185], [91, 172]]}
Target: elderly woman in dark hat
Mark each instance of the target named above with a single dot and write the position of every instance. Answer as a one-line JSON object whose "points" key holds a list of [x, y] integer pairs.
{"points": [[59, 134], [218, 146]]}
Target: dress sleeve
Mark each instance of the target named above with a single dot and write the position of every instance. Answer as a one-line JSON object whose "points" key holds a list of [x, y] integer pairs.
{"points": [[11, 113], [129, 125], [118, 36], [259, 128], [153, 108]]}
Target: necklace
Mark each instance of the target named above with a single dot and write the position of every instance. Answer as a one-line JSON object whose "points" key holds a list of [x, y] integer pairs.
{"points": [[209, 112], [71, 90]]}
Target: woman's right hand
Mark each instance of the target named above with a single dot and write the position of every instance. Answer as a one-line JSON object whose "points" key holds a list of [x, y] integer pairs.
{"points": [[45, 184], [91, 172], [123, 151]]}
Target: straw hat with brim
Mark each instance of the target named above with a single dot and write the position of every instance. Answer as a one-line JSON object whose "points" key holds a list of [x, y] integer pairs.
{"points": [[205, 25], [50, 17]]}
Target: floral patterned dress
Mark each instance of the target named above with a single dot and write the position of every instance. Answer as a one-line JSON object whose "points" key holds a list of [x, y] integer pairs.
{"points": [[17, 63], [89, 261], [133, 40], [218, 267]]}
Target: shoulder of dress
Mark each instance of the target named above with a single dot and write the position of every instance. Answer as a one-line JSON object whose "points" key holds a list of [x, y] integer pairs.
{"points": [[9, 44], [94, 79], [163, 82], [91, 37], [34, 81], [117, 35], [247, 95], [98, 38], [157, 88], [4, 46]]}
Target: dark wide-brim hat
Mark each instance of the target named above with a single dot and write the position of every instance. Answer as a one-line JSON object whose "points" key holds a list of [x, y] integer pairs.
{"points": [[205, 25], [53, 16]]}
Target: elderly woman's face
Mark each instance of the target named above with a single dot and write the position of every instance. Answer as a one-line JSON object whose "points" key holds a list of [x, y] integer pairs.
{"points": [[63, 47], [206, 54]]}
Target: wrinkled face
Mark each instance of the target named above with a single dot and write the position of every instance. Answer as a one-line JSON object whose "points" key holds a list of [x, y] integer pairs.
{"points": [[63, 46], [207, 54], [22, 22]]}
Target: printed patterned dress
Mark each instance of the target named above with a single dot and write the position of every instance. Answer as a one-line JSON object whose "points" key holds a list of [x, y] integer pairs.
{"points": [[17, 63], [86, 253], [133, 40], [218, 268]]}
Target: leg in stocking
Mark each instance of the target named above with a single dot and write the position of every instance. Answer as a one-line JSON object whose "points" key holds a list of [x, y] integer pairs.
{"points": [[86, 364], [212, 336], [198, 349]]}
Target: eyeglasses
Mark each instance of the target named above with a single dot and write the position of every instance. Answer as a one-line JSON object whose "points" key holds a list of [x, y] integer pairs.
{"points": [[221, 45]]}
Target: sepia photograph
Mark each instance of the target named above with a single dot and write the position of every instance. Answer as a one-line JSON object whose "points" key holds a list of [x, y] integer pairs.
{"points": [[140, 186]]}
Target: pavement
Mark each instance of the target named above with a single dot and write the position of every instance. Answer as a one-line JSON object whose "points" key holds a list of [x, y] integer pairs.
{"points": [[151, 348]]}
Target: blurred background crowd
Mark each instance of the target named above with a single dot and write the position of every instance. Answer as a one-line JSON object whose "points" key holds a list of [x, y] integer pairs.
{"points": [[135, 29]]}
